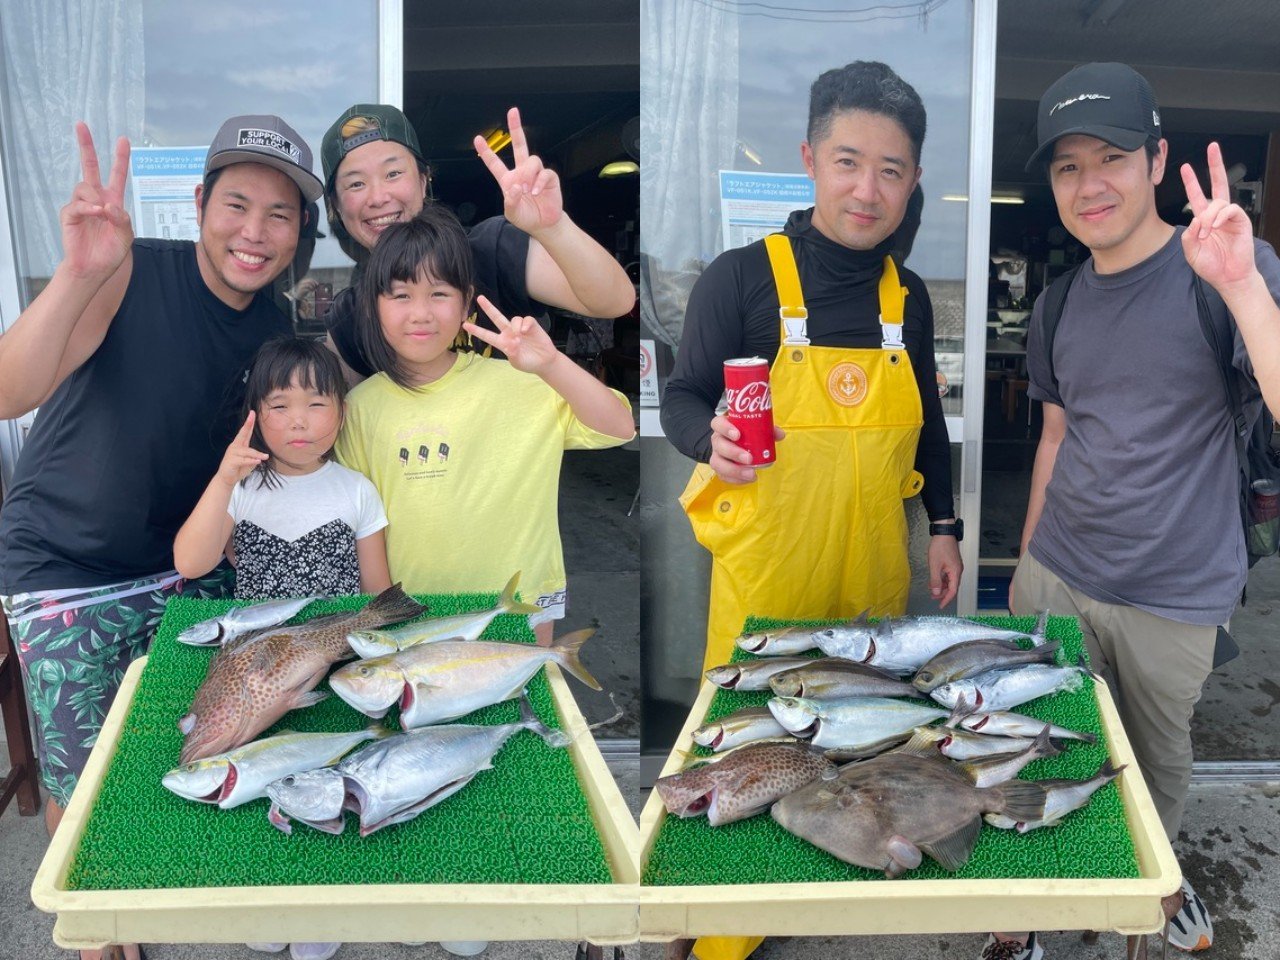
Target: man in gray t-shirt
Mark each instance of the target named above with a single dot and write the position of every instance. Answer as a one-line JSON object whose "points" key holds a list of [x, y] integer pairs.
{"points": [[1133, 522]]}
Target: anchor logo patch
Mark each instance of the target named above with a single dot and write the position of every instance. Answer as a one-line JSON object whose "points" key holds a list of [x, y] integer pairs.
{"points": [[847, 384]]}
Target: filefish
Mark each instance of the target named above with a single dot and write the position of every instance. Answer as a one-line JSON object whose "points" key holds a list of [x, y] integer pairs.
{"points": [[852, 727], [751, 674], [240, 775], [886, 812], [238, 621], [974, 657], [741, 726], [790, 640], [464, 626], [1005, 689], [742, 782], [442, 681], [260, 677], [832, 678], [1002, 723], [394, 780], [1063, 796], [904, 645]]}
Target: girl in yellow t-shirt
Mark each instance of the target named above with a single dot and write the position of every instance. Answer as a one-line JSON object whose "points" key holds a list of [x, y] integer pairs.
{"points": [[465, 450]]}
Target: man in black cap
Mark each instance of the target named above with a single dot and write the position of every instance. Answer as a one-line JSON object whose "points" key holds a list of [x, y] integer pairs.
{"points": [[135, 353], [1133, 448]]}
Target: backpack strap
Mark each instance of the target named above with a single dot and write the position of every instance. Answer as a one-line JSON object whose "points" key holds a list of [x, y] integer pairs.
{"points": [[1054, 301]]}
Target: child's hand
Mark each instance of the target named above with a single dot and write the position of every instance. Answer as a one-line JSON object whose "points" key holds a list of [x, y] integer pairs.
{"points": [[522, 339], [240, 460]]}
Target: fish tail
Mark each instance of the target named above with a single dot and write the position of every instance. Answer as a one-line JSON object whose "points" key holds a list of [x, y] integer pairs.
{"points": [[1109, 771], [390, 606], [1044, 746], [1042, 625], [1048, 652], [530, 721], [567, 649], [959, 711], [508, 602], [1023, 800]]}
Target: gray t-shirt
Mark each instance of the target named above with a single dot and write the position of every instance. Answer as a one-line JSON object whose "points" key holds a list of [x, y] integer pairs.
{"points": [[1143, 505]]}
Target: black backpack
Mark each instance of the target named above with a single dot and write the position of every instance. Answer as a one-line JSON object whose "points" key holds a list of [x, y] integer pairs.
{"points": [[1258, 461]]}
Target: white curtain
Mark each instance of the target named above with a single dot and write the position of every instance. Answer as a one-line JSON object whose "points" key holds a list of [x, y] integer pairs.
{"points": [[63, 61], [688, 122]]}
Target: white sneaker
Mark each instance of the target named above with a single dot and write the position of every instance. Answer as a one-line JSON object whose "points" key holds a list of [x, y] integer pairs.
{"points": [[465, 948], [995, 949], [267, 947], [313, 951], [1190, 929]]}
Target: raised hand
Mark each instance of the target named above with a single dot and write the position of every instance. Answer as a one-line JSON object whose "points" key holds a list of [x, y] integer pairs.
{"points": [[1219, 241], [240, 460], [96, 230], [522, 339], [530, 192]]}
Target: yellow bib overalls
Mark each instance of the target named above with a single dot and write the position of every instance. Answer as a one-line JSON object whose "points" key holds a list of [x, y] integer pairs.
{"points": [[822, 533]]}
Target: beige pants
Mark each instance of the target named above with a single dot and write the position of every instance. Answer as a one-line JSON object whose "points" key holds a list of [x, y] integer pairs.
{"points": [[1154, 667]]}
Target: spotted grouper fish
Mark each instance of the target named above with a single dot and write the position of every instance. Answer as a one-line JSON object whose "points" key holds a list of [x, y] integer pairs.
{"points": [[260, 677]]}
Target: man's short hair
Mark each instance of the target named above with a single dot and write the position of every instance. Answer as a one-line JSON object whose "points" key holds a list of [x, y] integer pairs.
{"points": [[213, 176], [866, 85]]}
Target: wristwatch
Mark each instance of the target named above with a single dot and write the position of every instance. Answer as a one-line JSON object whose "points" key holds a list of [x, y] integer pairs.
{"points": [[947, 528]]}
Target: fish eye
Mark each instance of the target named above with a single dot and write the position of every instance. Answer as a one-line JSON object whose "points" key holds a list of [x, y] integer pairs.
{"points": [[289, 781], [363, 671]]}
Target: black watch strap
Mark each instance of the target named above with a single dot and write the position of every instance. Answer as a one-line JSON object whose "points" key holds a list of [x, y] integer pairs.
{"points": [[947, 528]]}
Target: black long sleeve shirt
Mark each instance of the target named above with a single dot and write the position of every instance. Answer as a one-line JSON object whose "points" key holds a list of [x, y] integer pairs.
{"points": [[733, 312]]}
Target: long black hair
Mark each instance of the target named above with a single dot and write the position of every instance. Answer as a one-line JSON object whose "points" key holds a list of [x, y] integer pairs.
{"points": [[433, 244], [282, 363]]}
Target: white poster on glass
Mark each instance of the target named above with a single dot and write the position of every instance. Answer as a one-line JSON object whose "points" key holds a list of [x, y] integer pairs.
{"points": [[164, 190], [754, 205]]}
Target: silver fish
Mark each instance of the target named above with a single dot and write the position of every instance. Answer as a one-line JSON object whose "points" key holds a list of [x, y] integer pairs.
{"points": [[464, 626], [790, 640], [1002, 723], [854, 726], [989, 771], [1005, 689], [961, 744], [238, 621], [396, 779], [904, 645], [1062, 797], [751, 674], [974, 657], [240, 775], [442, 681], [886, 812], [741, 726], [832, 678]]}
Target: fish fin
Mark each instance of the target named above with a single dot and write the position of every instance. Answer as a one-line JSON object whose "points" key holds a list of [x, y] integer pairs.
{"points": [[1109, 770], [885, 627], [922, 743], [1042, 625], [1023, 800], [1044, 745], [1083, 666], [1049, 650], [390, 606], [953, 851], [309, 699], [187, 724], [508, 602], [532, 722], [862, 617], [279, 819], [903, 856], [959, 711], [567, 648]]}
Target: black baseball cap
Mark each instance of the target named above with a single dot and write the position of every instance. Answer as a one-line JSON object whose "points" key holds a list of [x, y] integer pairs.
{"points": [[265, 139], [361, 124], [1110, 101]]}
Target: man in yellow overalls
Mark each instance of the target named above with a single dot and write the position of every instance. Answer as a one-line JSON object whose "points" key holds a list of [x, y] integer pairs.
{"points": [[822, 532]]}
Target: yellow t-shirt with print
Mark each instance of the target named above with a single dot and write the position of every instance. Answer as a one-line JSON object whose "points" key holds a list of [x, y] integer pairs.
{"points": [[468, 468]]}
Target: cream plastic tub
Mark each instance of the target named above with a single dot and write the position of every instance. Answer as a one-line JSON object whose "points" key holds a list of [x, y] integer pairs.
{"points": [[600, 913], [1129, 906]]}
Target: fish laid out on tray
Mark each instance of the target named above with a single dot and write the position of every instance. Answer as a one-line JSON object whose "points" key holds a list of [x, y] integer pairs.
{"points": [[887, 812], [1062, 797], [1006, 689], [442, 681], [395, 779], [975, 657], [855, 726], [1002, 723], [784, 641], [831, 678], [463, 626], [961, 745], [741, 726], [236, 622], [258, 678], [742, 782], [751, 674], [904, 645], [240, 775]]}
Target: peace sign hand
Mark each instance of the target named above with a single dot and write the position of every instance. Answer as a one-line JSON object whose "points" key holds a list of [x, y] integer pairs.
{"points": [[522, 339], [1219, 242], [96, 231], [530, 193], [241, 459]]}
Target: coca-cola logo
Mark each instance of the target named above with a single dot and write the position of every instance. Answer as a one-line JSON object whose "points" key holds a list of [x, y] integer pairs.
{"points": [[749, 400]]}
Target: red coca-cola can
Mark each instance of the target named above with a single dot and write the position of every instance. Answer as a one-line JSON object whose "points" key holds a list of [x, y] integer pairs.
{"points": [[749, 407]]}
